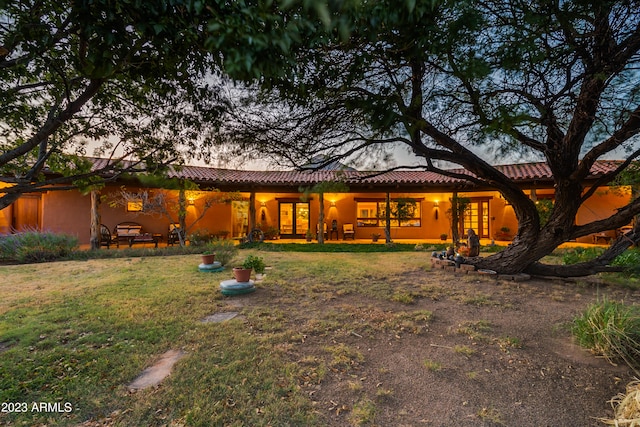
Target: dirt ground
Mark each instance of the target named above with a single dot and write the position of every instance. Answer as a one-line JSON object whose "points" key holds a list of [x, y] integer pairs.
{"points": [[494, 353]]}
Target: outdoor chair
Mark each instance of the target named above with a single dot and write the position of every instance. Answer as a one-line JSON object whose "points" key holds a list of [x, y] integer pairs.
{"points": [[325, 232], [348, 232], [173, 236], [105, 236]]}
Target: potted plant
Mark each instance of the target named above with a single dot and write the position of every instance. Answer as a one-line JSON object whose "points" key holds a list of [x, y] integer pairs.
{"points": [[503, 234], [375, 236], [309, 235], [208, 257], [258, 265], [243, 273], [443, 237], [272, 233]]}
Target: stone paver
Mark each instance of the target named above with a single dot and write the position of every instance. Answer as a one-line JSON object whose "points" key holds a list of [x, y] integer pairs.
{"points": [[220, 317], [152, 376]]}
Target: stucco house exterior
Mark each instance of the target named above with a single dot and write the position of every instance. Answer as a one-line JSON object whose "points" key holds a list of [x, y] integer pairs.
{"points": [[276, 200]]}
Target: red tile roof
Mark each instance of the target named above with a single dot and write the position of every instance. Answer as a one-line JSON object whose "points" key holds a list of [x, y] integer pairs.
{"points": [[523, 172], [517, 172]]}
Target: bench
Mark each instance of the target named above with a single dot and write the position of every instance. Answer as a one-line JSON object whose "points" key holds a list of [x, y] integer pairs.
{"points": [[131, 232]]}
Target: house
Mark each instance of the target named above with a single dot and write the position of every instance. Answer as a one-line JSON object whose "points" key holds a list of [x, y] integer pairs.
{"points": [[276, 200]]}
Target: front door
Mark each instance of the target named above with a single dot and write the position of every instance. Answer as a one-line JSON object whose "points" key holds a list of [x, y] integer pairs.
{"points": [[477, 217], [294, 219]]}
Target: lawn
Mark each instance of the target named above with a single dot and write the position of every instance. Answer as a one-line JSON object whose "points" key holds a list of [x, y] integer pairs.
{"points": [[78, 331], [327, 339]]}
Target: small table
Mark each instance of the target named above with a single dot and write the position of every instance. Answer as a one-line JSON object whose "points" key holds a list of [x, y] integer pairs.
{"points": [[331, 234], [604, 237], [144, 238]]}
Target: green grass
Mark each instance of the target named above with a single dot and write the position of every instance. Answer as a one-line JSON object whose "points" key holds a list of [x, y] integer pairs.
{"points": [[432, 365], [611, 329], [333, 247], [80, 331]]}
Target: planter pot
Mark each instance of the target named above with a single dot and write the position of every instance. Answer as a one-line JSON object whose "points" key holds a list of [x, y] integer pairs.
{"points": [[260, 276], [242, 274], [208, 259]]}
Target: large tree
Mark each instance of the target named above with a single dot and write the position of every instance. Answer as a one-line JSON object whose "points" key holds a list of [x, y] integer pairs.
{"points": [[136, 80], [455, 80], [124, 77]]}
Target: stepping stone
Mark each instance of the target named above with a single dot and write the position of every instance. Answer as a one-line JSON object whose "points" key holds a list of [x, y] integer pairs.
{"points": [[220, 317], [154, 375]]}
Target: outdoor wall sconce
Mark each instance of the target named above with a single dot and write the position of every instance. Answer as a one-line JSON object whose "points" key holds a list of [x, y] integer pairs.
{"points": [[191, 202], [333, 204], [263, 204]]}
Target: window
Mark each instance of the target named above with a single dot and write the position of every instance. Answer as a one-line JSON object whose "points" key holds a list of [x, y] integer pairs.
{"points": [[404, 213]]}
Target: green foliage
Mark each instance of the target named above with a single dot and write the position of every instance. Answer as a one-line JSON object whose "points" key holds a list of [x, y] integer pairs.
{"points": [[225, 250], [630, 260], [544, 208], [200, 237], [254, 262], [36, 246], [338, 247], [611, 329], [580, 254]]}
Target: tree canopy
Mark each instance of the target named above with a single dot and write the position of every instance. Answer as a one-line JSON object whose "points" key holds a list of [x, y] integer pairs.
{"points": [[461, 83], [139, 81]]}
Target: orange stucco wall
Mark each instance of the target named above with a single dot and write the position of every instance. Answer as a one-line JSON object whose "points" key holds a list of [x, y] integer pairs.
{"points": [[602, 205], [69, 212]]}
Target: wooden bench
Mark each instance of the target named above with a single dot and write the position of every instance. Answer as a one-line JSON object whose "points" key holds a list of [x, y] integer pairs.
{"points": [[131, 232]]}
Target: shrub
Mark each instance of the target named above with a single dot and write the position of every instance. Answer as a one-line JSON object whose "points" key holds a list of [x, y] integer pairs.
{"points": [[580, 254], [224, 249], [200, 237], [36, 246], [612, 330], [630, 260]]}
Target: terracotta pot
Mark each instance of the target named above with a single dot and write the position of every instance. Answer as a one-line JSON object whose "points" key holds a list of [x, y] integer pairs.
{"points": [[208, 259], [242, 274]]}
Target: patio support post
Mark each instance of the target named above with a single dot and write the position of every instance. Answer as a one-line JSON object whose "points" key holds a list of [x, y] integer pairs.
{"points": [[252, 211], [387, 220], [95, 220], [182, 214], [321, 218]]}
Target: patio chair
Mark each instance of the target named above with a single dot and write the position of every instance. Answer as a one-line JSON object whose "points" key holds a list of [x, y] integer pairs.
{"points": [[348, 231], [325, 232], [173, 237], [105, 236]]}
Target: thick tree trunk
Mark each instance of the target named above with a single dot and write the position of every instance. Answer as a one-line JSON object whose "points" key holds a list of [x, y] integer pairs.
{"points": [[455, 220], [95, 220], [252, 212], [182, 215], [524, 253]]}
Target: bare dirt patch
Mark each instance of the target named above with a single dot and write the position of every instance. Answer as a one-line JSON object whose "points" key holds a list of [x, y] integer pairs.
{"points": [[493, 353]]}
